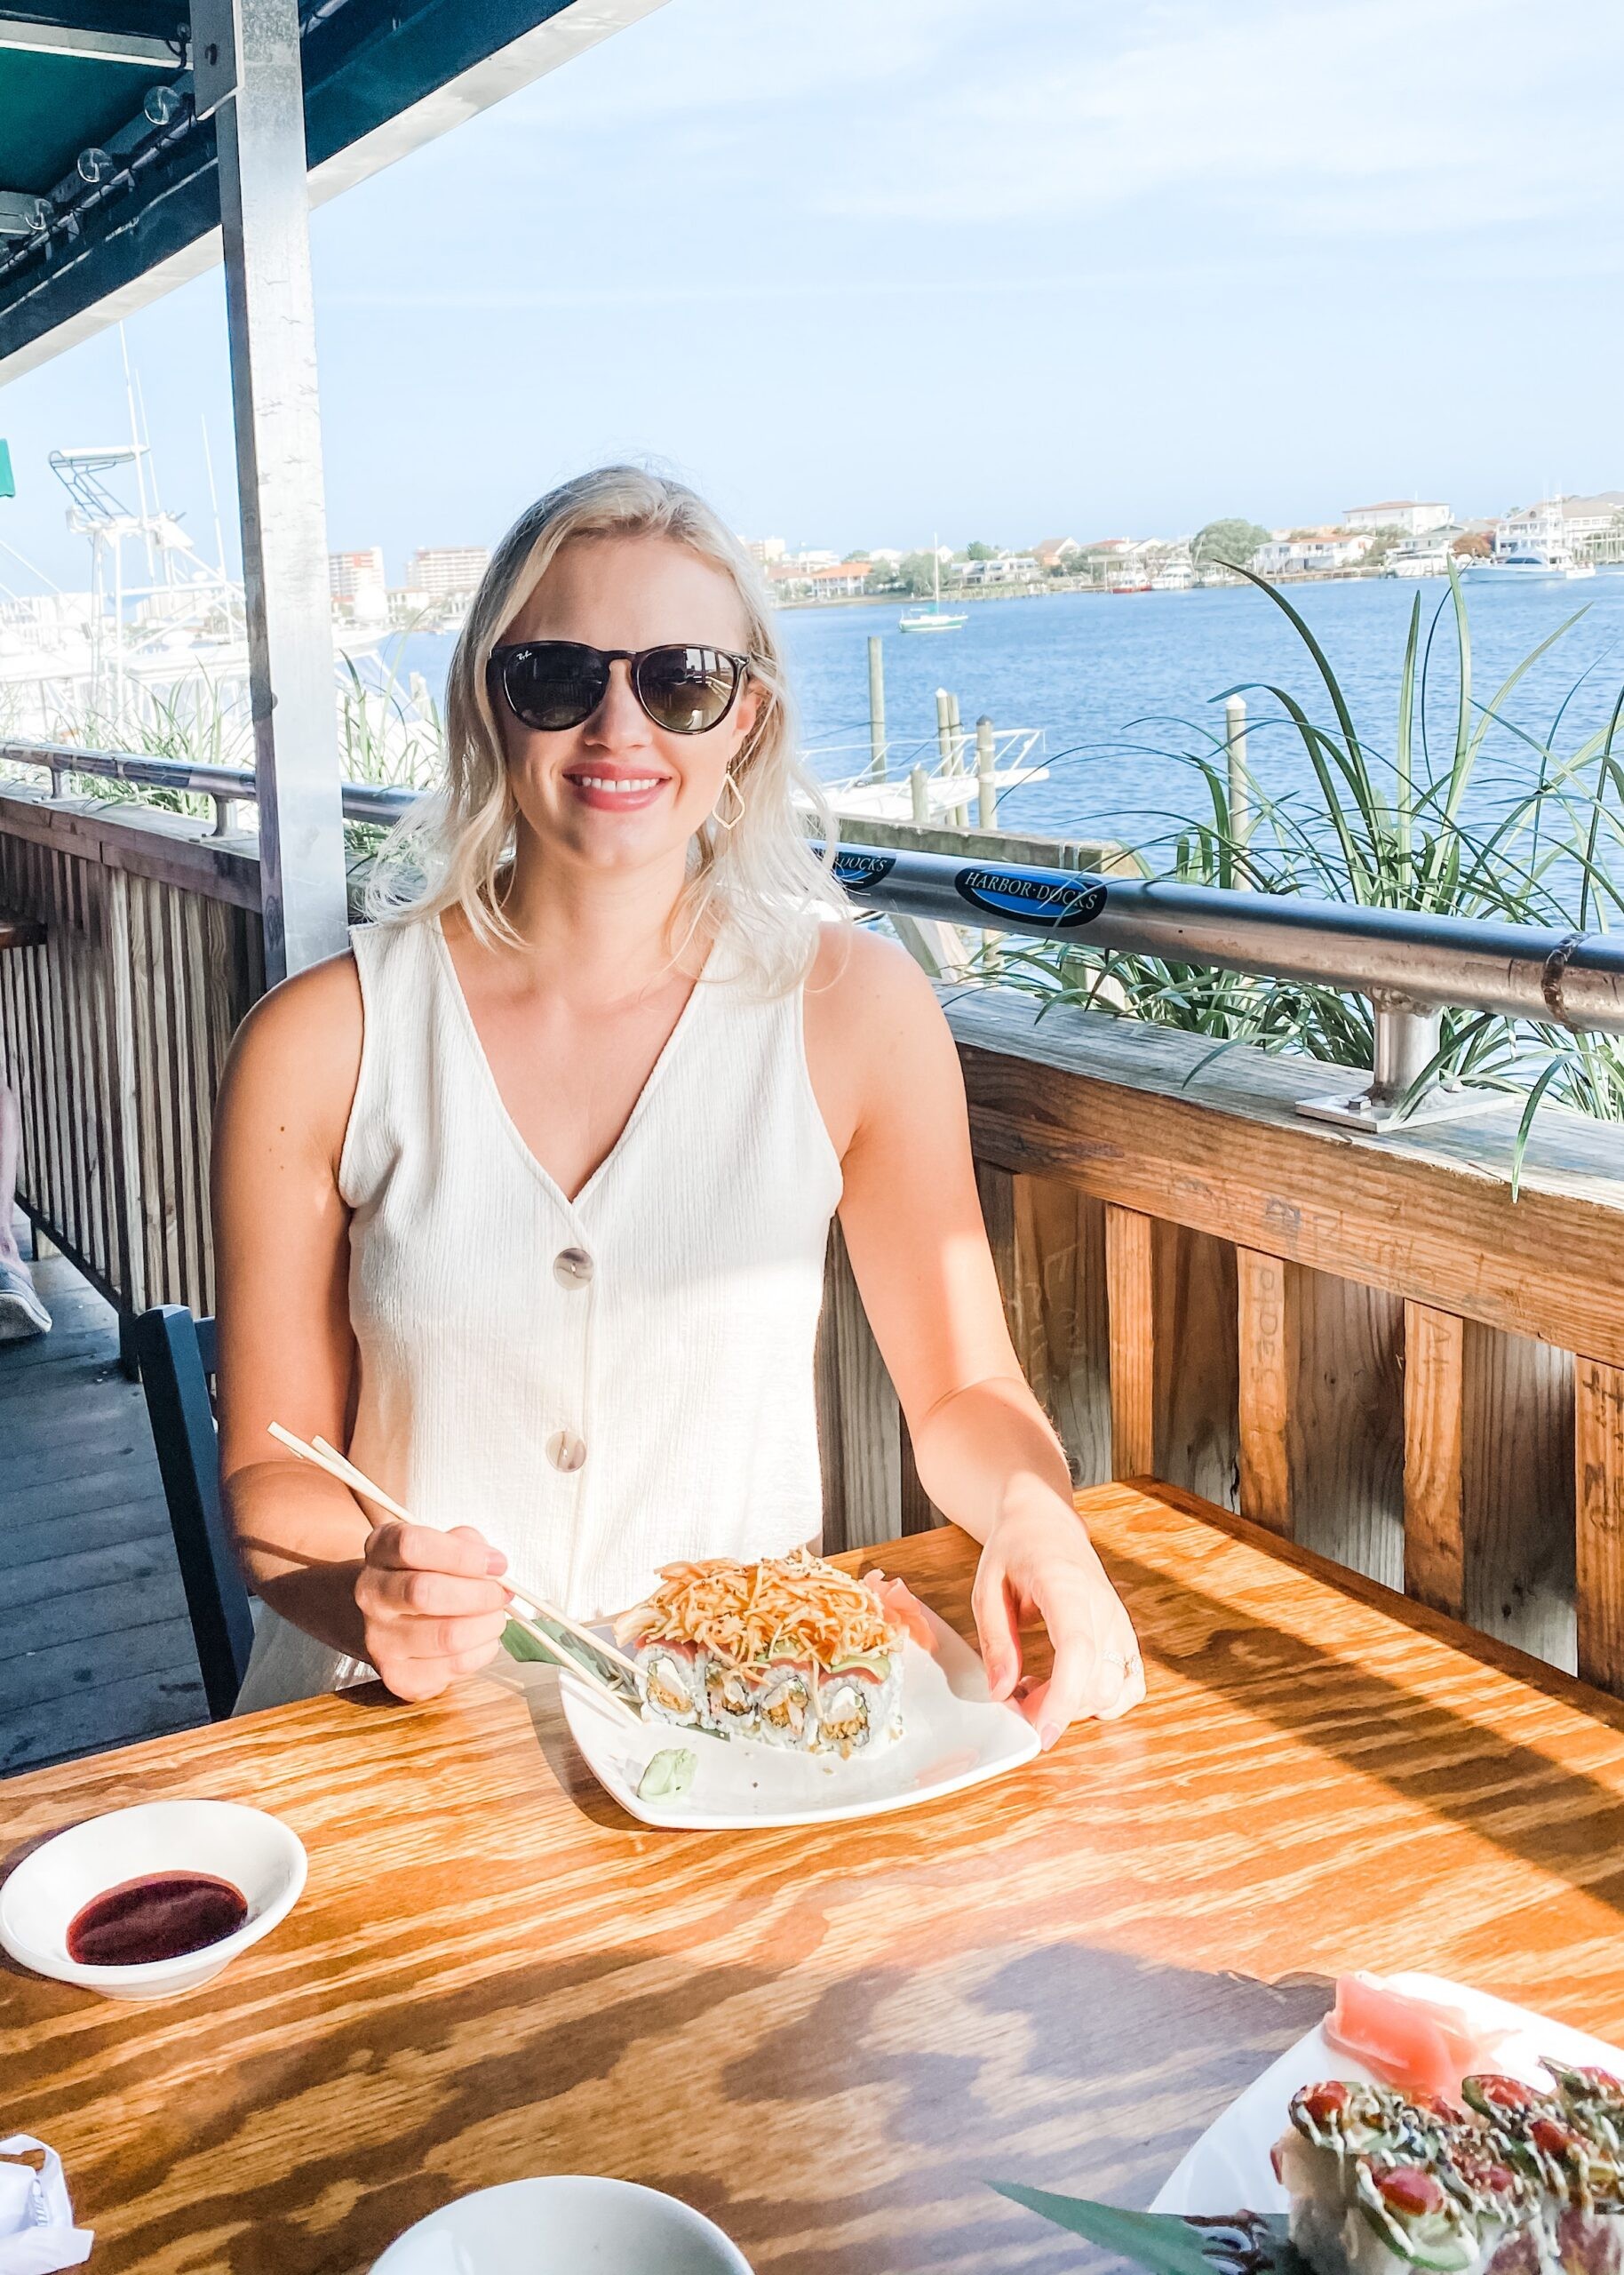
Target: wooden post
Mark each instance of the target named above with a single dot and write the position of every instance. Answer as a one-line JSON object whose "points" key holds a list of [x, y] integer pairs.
{"points": [[1598, 1440], [986, 810], [1235, 752], [1130, 1298], [1267, 1365], [876, 708], [1434, 1405], [961, 812], [919, 790], [946, 749]]}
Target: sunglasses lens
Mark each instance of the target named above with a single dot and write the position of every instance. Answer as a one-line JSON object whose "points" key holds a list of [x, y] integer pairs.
{"points": [[686, 689], [552, 683]]}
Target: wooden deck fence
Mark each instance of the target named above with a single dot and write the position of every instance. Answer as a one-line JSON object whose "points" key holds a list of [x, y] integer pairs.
{"points": [[114, 1029], [1362, 1344]]}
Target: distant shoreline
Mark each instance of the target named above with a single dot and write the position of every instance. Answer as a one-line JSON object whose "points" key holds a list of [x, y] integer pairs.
{"points": [[1100, 592]]}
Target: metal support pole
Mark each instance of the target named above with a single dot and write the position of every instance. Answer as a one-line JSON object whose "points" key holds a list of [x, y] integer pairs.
{"points": [[1406, 1043], [876, 708], [1235, 750], [248, 76], [986, 802]]}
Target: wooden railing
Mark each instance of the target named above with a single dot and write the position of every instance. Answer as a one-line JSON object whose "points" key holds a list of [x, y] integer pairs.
{"points": [[113, 1029], [1364, 1344]]}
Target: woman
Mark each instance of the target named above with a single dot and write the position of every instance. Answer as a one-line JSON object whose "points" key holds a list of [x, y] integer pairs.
{"points": [[525, 1199]]}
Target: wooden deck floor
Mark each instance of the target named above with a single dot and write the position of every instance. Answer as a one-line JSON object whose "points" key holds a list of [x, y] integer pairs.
{"points": [[95, 1648]]}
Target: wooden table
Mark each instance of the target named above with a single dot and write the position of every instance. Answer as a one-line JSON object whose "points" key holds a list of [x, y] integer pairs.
{"points": [[827, 2041]]}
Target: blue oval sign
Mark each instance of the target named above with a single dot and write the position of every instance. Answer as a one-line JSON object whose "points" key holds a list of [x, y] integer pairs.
{"points": [[857, 871], [1050, 898]]}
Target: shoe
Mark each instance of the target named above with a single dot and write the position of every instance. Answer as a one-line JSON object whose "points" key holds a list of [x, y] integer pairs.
{"points": [[21, 1312]]}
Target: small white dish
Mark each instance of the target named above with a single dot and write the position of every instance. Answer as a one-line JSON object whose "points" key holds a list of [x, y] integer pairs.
{"points": [[565, 2226], [1228, 2170], [41, 1898], [953, 1735]]}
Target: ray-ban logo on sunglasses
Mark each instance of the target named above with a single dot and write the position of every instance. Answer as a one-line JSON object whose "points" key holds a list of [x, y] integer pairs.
{"points": [[1043, 896]]}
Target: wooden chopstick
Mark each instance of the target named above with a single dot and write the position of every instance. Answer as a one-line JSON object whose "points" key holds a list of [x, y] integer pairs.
{"points": [[323, 1456], [565, 1664]]}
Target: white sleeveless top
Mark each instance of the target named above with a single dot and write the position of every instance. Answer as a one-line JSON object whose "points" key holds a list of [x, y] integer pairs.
{"points": [[602, 1385]]}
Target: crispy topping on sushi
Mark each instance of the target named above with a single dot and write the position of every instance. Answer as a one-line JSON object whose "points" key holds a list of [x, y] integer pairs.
{"points": [[744, 1613], [790, 1651]]}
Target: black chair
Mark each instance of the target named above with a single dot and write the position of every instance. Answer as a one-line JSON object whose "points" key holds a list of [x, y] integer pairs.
{"points": [[176, 1356]]}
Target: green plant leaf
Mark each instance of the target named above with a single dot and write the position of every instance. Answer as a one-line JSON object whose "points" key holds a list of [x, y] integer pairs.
{"points": [[1161, 2241]]}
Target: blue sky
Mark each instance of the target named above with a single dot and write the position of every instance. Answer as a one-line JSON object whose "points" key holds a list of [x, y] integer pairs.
{"points": [[865, 268]]}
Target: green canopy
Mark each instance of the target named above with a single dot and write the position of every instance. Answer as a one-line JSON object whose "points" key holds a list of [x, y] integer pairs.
{"points": [[108, 177]]}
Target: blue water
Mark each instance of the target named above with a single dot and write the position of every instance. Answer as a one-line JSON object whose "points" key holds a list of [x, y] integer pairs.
{"points": [[1120, 683]]}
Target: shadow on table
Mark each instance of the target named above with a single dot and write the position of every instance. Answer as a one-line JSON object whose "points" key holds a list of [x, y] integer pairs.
{"points": [[1117, 2062], [856, 2137], [1521, 1799]]}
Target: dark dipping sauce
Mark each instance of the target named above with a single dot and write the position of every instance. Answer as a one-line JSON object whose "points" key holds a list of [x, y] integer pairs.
{"points": [[162, 1915]]}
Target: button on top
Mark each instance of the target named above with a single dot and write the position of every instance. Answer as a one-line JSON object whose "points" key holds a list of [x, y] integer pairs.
{"points": [[565, 1450], [572, 1267]]}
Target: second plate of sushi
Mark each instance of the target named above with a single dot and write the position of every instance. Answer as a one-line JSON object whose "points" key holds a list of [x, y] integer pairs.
{"points": [[1424, 2129], [1233, 2164], [787, 1692]]}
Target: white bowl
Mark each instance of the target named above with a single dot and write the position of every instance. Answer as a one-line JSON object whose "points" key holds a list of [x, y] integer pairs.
{"points": [[565, 2226], [257, 1853]]}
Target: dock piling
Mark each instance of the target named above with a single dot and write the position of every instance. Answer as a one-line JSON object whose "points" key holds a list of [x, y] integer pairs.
{"points": [[919, 789], [986, 802], [876, 708], [1235, 753]]}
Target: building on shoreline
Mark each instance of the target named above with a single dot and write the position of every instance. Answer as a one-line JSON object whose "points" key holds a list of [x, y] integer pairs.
{"points": [[359, 587], [446, 572], [1410, 514]]}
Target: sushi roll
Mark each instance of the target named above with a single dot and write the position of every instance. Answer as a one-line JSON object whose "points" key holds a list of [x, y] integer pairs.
{"points": [[1380, 2183], [672, 1681], [858, 1702], [786, 1704], [1593, 2100], [791, 1651], [730, 1699]]}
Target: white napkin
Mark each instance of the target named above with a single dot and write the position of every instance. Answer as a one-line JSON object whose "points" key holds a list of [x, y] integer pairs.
{"points": [[37, 2234]]}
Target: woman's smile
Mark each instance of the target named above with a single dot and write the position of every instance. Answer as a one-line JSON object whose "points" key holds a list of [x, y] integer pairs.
{"points": [[623, 789]]}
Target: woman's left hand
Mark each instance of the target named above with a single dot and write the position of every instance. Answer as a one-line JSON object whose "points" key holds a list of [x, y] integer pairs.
{"points": [[1040, 1562]]}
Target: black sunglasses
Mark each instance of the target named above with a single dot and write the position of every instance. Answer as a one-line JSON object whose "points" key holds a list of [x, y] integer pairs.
{"points": [[553, 684]]}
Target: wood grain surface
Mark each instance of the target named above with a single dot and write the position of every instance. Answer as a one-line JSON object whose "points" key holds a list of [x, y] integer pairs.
{"points": [[1161, 1122], [829, 2041]]}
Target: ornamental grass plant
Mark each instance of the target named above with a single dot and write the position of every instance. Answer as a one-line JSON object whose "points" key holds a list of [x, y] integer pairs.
{"points": [[1398, 828]]}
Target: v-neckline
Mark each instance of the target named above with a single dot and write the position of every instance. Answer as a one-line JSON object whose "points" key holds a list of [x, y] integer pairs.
{"points": [[538, 1170]]}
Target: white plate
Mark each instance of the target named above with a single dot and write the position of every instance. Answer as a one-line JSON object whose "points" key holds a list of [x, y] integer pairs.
{"points": [[563, 2225], [1228, 2168], [953, 1735]]}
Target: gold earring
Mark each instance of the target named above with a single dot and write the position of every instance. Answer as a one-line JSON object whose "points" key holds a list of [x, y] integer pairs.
{"points": [[721, 821]]}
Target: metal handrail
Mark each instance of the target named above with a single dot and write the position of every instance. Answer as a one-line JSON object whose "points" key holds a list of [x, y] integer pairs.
{"points": [[1410, 964]]}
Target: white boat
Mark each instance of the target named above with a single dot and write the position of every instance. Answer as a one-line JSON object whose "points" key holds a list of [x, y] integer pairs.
{"points": [[1538, 555], [935, 618], [1530, 564]]}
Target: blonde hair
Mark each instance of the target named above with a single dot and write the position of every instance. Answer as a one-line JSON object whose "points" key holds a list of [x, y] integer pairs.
{"points": [[758, 887]]}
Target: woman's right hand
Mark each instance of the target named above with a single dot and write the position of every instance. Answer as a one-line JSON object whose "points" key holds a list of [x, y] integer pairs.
{"points": [[433, 1603]]}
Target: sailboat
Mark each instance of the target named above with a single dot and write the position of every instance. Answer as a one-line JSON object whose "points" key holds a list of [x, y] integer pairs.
{"points": [[934, 619]]}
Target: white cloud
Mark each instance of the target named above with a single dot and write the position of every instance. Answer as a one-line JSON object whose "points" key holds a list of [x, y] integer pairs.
{"points": [[1381, 113]]}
